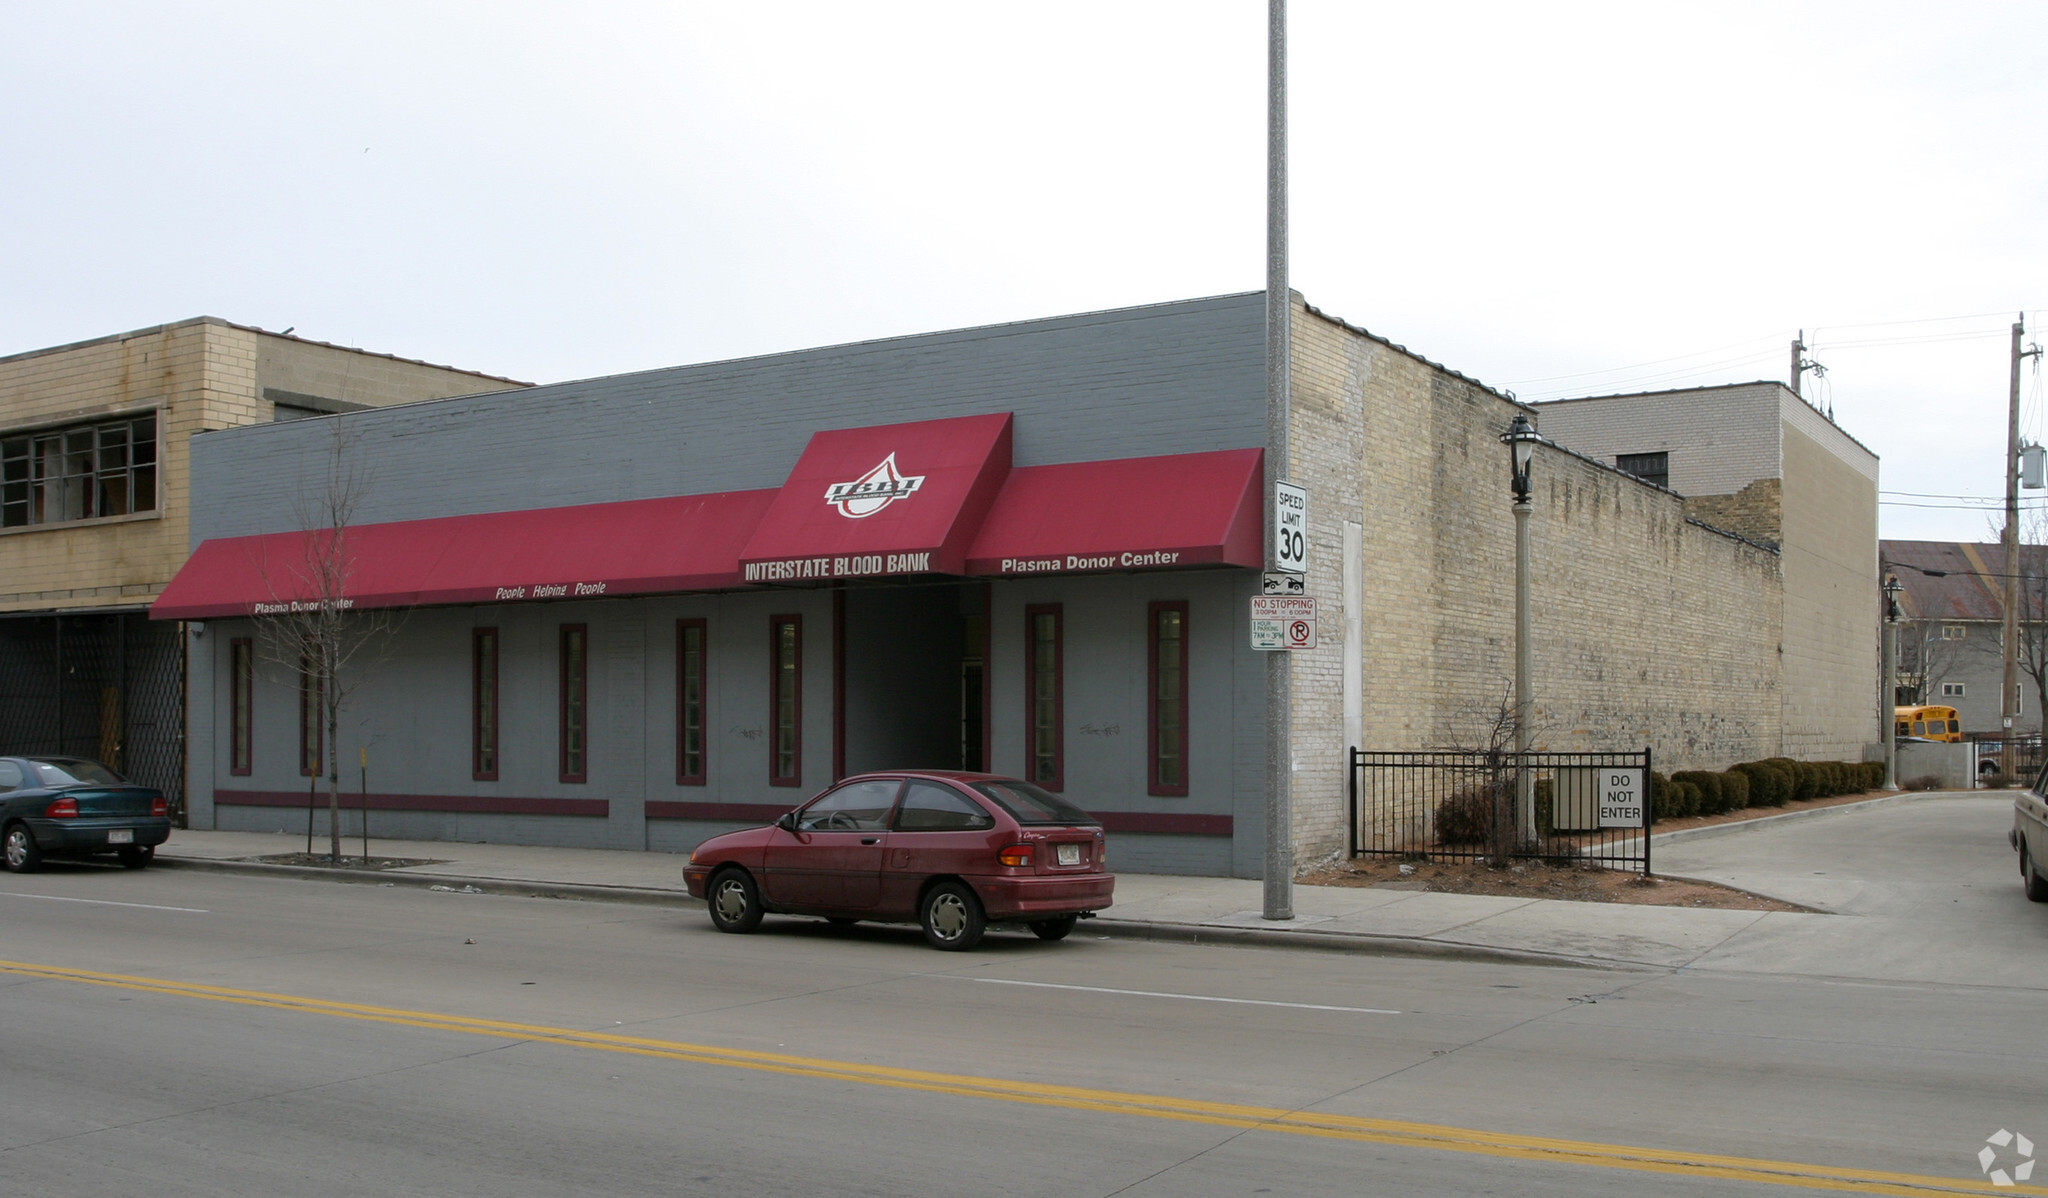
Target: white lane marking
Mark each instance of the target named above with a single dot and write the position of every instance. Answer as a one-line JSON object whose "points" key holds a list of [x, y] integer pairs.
{"points": [[55, 898], [1250, 1002]]}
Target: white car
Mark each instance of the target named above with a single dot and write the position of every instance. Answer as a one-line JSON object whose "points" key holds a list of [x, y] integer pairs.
{"points": [[2030, 836]]}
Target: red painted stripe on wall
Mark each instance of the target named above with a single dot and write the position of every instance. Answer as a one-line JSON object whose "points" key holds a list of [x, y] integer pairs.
{"points": [[464, 804]]}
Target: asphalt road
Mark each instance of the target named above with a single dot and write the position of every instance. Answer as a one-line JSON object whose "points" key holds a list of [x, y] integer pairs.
{"points": [[185, 1033]]}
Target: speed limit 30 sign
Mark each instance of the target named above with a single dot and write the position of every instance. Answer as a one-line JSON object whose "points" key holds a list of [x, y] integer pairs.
{"points": [[1290, 527]]}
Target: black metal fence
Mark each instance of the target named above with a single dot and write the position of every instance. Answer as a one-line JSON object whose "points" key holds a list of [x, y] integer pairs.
{"points": [[1591, 808], [1989, 757]]}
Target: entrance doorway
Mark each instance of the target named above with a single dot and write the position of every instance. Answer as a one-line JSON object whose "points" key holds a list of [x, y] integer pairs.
{"points": [[916, 677]]}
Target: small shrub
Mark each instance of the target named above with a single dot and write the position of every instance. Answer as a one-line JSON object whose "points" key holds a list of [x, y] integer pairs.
{"points": [[1467, 816], [1708, 785], [1923, 782], [1770, 784], [1734, 790]]}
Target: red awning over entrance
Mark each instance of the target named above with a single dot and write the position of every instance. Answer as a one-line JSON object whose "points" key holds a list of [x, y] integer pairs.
{"points": [[1190, 509], [644, 546], [896, 499]]}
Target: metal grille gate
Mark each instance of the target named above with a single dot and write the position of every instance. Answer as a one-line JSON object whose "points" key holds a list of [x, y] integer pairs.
{"points": [[104, 685], [1463, 806]]}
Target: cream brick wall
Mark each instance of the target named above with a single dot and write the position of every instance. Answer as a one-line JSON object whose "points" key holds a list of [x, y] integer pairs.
{"points": [[1720, 439], [1649, 630], [197, 375]]}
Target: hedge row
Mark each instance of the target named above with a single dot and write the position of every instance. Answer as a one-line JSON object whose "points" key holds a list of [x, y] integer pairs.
{"points": [[1771, 783]]}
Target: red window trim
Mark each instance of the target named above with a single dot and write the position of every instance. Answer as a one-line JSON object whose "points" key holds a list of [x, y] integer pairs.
{"points": [[477, 772], [310, 692], [1058, 780], [684, 778], [775, 625], [562, 706], [1152, 783], [241, 706]]}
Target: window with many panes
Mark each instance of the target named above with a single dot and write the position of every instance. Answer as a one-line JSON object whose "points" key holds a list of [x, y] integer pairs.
{"points": [[575, 715], [1167, 699], [690, 702], [1044, 761], [785, 701], [81, 472], [483, 704], [241, 720]]}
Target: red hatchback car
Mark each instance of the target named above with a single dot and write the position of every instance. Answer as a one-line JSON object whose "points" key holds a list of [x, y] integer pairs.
{"points": [[950, 851]]}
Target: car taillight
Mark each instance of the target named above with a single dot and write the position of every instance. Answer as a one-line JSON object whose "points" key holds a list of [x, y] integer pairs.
{"points": [[1016, 854], [158, 806], [62, 809]]}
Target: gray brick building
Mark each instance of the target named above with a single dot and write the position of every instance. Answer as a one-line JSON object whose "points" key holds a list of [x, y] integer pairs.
{"points": [[679, 601]]}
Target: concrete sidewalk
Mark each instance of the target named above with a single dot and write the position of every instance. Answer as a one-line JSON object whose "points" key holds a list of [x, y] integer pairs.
{"points": [[1148, 906]]}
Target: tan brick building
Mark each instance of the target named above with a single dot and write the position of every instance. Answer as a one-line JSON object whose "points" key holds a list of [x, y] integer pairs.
{"points": [[1756, 460], [93, 513]]}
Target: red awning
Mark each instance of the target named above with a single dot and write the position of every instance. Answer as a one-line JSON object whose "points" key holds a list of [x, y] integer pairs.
{"points": [[645, 546], [1187, 509], [895, 499]]}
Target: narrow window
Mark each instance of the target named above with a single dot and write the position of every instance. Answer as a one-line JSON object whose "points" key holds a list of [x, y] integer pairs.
{"points": [[483, 704], [311, 750], [689, 702], [785, 701], [575, 705], [242, 672], [1650, 467], [1043, 696], [1167, 699]]}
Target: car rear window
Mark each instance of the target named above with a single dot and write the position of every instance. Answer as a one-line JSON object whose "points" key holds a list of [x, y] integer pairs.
{"points": [[73, 771], [1027, 804]]}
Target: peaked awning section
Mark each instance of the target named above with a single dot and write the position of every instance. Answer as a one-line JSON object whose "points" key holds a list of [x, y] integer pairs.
{"points": [[1170, 512], [872, 502], [639, 547]]}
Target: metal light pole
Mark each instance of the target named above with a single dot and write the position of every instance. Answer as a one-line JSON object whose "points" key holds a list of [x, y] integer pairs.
{"points": [[1521, 439], [1888, 709], [1279, 864]]}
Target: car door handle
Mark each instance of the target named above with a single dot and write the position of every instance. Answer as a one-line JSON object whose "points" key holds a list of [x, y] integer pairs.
{"points": [[871, 840]]}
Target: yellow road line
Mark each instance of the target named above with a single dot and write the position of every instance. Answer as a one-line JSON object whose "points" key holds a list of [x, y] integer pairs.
{"points": [[1274, 1119]]}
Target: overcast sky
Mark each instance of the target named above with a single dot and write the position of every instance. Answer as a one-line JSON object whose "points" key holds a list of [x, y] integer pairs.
{"points": [[1558, 199]]}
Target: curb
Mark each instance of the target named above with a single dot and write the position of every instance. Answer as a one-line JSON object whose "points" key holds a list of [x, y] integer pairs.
{"points": [[1121, 929], [499, 886], [1709, 831]]}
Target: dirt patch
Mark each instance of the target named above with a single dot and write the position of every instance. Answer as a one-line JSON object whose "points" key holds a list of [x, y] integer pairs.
{"points": [[323, 861], [1579, 883]]}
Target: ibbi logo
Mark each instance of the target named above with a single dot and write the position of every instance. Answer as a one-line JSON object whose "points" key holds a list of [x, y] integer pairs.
{"points": [[1994, 1146], [873, 491]]}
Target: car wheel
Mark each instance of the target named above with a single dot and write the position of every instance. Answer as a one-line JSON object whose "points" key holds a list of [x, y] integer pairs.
{"points": [[952, 917], [2037, 886], [735, 903], [135, 856], [1055, 928], [23, 857]]}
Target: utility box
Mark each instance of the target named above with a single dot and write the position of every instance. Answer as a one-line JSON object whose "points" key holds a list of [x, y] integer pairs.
{"points": [[2034, 466]]}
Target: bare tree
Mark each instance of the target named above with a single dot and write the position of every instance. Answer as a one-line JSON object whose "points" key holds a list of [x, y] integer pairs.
{"points": [[2033, 614], [312, 628]]}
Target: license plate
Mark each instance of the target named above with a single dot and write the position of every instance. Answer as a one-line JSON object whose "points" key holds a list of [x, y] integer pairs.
{"points": [[121, 836], [1070, 854]]}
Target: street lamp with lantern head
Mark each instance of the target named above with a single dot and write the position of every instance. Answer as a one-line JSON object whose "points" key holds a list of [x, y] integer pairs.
{"points": [[1521, 440]]}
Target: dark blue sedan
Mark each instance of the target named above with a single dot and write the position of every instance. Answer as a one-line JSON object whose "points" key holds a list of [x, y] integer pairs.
{"points": [[72, 807]]}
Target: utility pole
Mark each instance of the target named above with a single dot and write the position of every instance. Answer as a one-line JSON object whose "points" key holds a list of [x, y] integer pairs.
{"points": [[2009, 705], [1279, 864], [1798, 363]]}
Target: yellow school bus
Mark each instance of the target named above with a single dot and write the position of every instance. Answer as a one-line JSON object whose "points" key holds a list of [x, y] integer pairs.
{"points": [[1930, 723]]}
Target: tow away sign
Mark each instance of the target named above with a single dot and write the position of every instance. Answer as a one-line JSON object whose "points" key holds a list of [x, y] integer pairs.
{"points": [[1283, 622]]}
